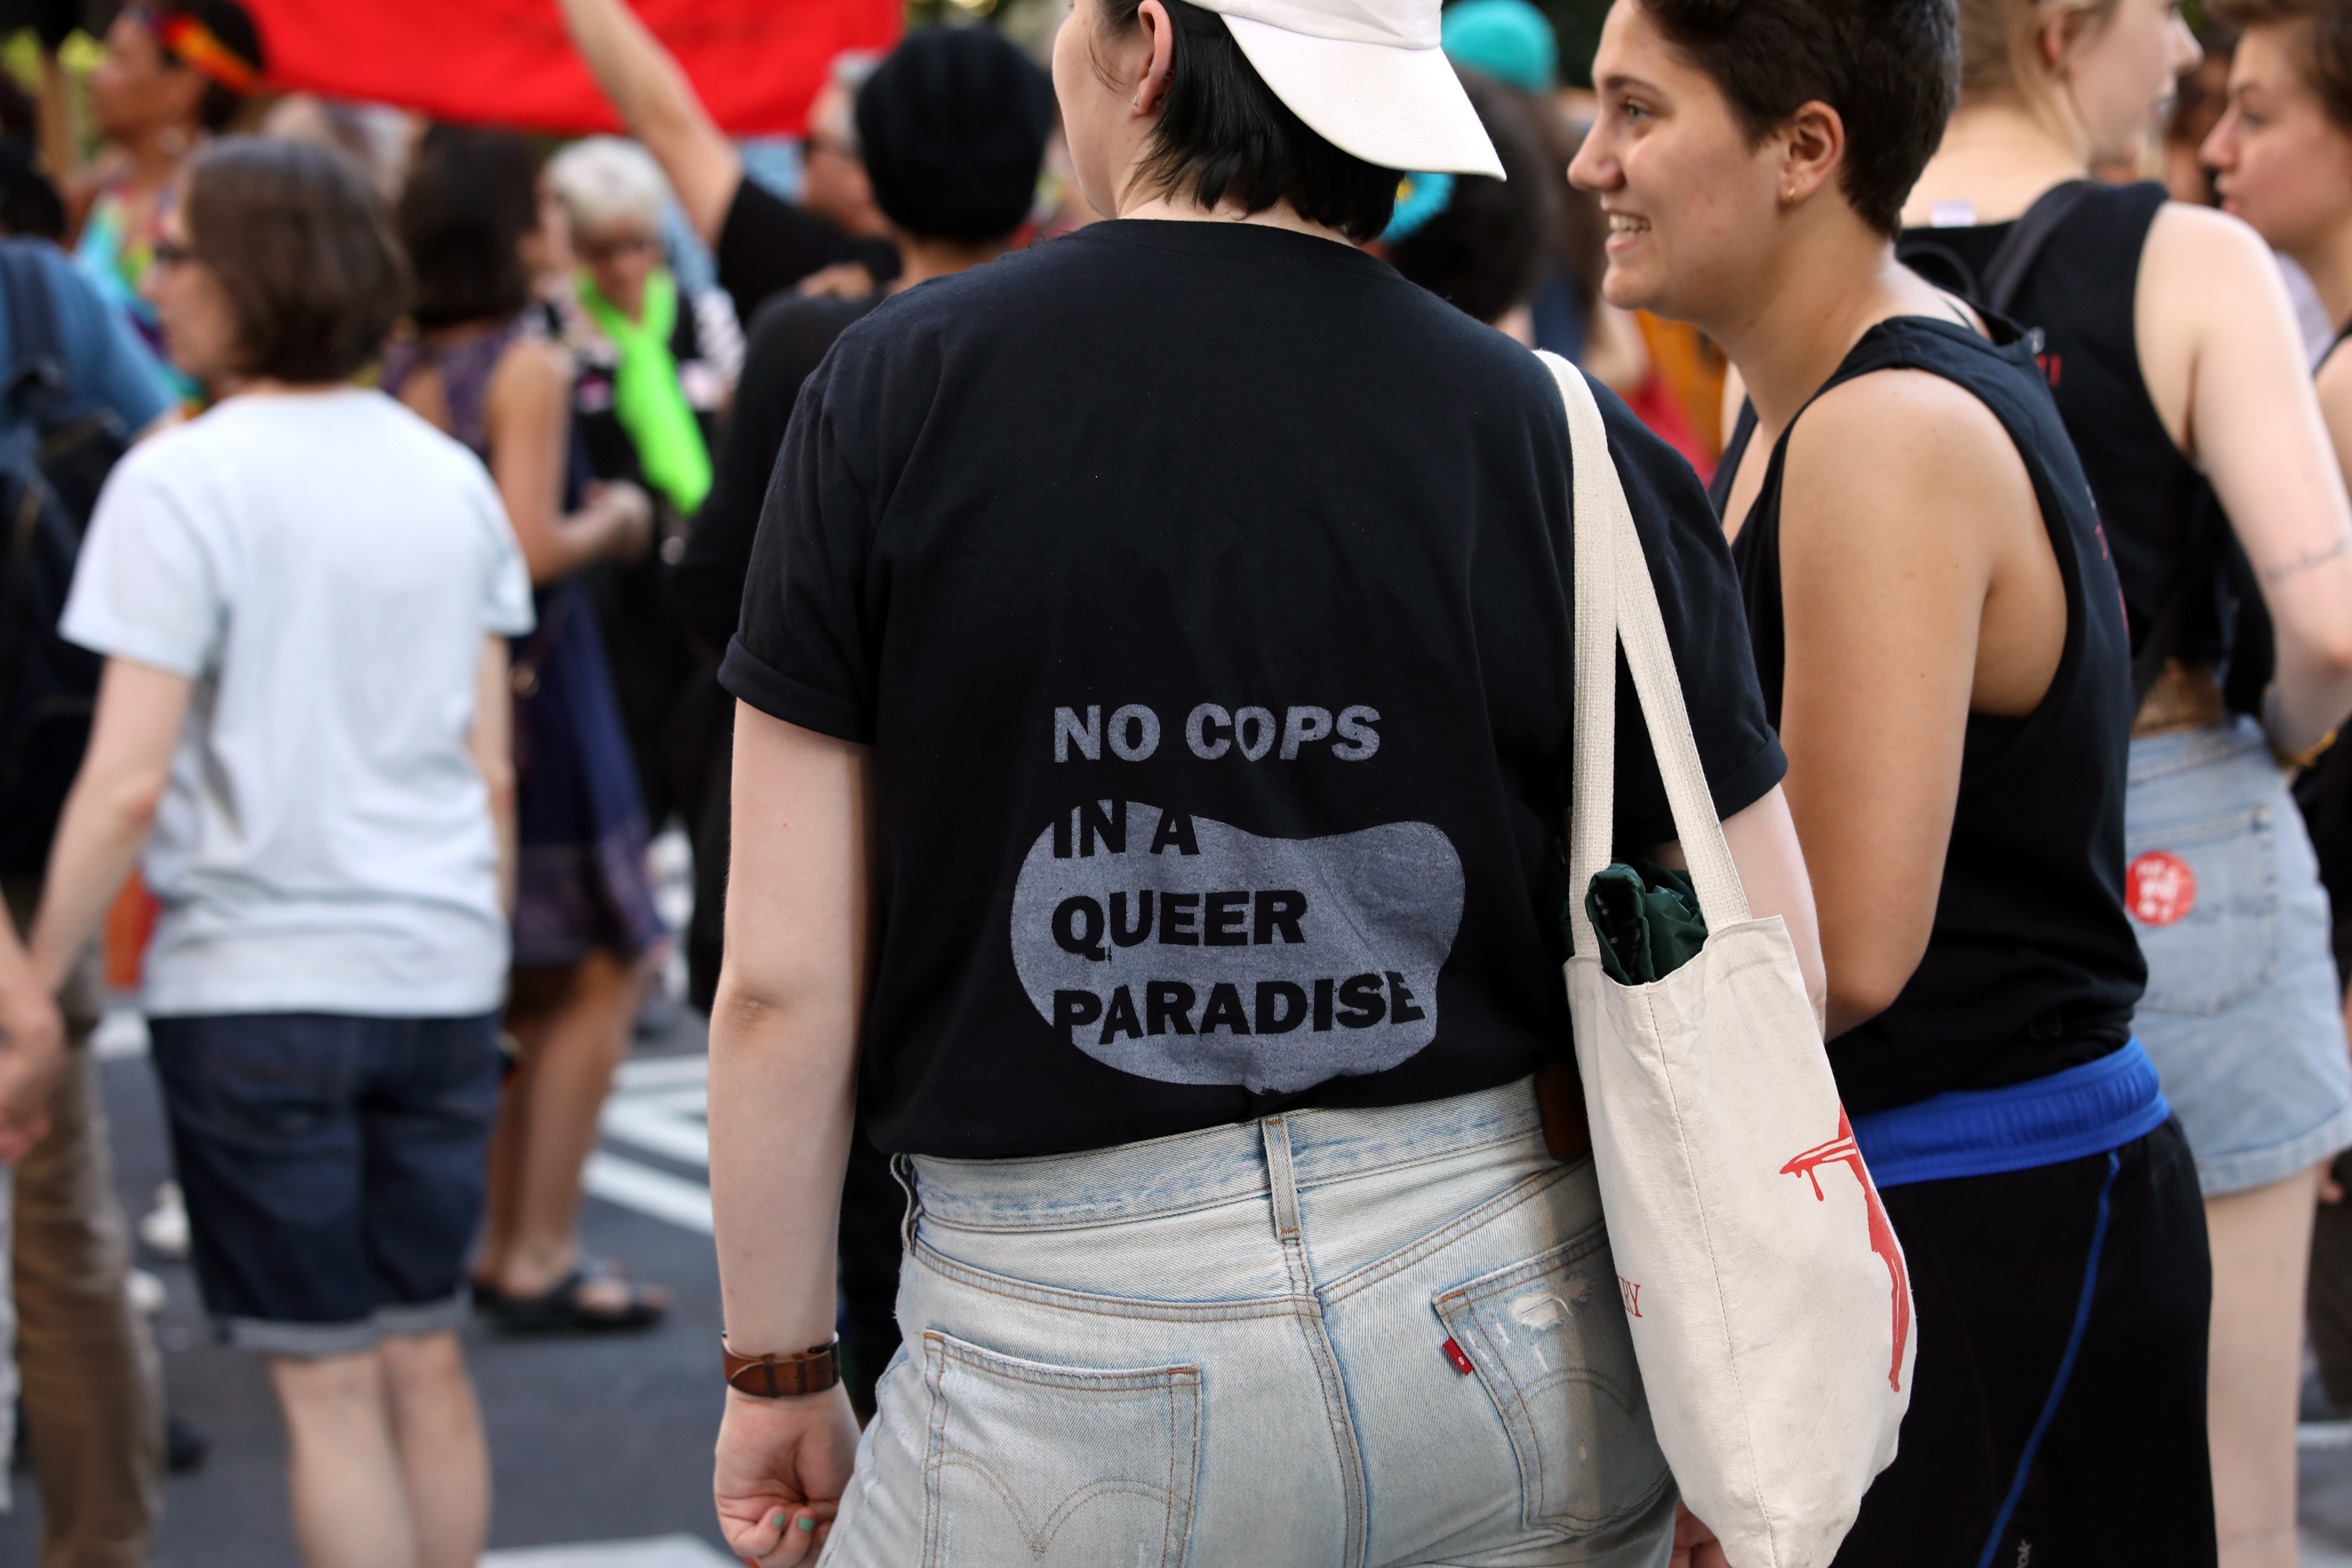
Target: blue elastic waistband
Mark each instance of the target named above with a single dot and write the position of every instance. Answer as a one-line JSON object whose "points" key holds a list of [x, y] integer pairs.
{"points": [[2084, 1110]]}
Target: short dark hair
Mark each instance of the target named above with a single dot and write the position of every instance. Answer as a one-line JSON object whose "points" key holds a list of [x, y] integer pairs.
{"points": [[1484, 252], [303, 247], [1891, 68], [1224, 135], [2325, 61], [952, 128], [471, 197], [229, 24]]}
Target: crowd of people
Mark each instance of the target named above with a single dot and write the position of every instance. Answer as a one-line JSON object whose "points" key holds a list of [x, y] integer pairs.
{"points": [[1003, 559]]}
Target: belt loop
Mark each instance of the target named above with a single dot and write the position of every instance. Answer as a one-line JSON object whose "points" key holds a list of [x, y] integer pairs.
{"points": [[902, 1171], [1284, 1182]]}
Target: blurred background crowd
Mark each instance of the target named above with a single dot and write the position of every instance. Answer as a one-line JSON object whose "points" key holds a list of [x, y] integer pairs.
{"points": [[630, 235]]}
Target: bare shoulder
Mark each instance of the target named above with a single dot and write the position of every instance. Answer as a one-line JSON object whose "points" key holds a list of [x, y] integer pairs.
{"points": [[1903, 459], [533, 363], [2334, 382], [2185, 235], [2335, 388], [2205, 268], [533, 373]]}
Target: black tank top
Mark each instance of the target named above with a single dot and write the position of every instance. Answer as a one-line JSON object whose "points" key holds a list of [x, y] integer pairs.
{"points": [[2164, 522], [2032, 966]]}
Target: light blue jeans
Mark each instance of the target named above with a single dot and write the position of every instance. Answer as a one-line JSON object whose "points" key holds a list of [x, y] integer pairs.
{"points": [[1333, 1338], [2244, 1014]]}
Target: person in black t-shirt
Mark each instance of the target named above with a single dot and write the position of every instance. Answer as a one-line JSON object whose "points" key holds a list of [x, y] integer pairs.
{"points": [[1148, 780], [1942, 644], [762, 244], [953, 126]]}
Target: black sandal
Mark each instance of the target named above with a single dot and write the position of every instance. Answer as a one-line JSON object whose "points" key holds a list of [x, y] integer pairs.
{"points": [[560, 1309]]}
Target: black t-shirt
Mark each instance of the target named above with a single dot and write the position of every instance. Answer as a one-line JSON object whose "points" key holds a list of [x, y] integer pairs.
{"points": [[766, 245], [789, 341], [1203, 590]]}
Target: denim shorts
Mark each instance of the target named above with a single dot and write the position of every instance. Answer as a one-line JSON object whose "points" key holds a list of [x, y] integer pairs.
{"points": [[2243, 1015], [1330, 1339], [333, 1168]]}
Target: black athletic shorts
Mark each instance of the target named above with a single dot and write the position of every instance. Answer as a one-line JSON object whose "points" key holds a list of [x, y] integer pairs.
{"points": [[2058, 1402]]}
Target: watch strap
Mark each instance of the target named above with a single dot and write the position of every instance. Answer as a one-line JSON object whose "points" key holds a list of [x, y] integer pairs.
{"points": [[811, 1370]]}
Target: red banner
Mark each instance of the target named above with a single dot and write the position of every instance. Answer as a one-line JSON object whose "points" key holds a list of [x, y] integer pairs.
{"points": [[756, 63]]}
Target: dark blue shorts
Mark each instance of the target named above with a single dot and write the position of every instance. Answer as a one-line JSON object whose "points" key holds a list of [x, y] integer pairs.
{"points": [[333, 1168]]}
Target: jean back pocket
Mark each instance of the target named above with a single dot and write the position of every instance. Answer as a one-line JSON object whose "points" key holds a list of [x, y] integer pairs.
{"points": [[2203, 893], [1055, 1465], [1549, 1339]]}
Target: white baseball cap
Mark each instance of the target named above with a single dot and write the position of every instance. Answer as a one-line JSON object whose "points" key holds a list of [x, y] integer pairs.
{"points": [[1368, 77]]}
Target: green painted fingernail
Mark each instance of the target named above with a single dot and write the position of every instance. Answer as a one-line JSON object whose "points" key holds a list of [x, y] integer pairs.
{"points": [[807, 1522], [780, 1521]]}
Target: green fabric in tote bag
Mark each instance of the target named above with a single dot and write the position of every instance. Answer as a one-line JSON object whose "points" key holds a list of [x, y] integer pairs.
{"points": [[1647, 918]]}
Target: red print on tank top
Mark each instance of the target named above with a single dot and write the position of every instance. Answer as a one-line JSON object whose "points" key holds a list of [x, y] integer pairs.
{"points": [[2159, 888], [1841, 1150]]}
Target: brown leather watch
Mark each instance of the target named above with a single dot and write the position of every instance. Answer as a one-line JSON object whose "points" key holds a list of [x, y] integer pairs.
{"points": [[812, 1371]]}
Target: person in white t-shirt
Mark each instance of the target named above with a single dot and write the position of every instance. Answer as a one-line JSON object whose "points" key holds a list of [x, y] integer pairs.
{"points": [[303, 598]]}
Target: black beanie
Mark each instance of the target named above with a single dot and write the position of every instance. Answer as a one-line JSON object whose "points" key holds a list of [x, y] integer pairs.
{"points": [[952, 127]]}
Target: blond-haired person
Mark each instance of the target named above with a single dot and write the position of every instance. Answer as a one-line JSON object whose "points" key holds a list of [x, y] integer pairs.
{"points": [[2188, 397]]}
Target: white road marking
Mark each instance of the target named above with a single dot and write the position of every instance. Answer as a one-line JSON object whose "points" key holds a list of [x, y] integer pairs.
{"points": [[662, 1073], [2323, 1434], [661, 1551], [658, 1104], [121, 1034], [649, 1192]]}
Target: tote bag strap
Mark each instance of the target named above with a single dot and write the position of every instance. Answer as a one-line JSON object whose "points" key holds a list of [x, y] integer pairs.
{"points": [[1614, 599]]}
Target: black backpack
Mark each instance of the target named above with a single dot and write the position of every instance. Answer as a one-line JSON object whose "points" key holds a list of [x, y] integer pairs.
{"points": [[55, 454]]}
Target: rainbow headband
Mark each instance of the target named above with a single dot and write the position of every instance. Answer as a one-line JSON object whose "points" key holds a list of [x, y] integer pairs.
{"points": [[204, 53]]}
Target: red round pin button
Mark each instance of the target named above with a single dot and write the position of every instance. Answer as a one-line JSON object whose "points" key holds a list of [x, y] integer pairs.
{"points": [[2159, 888]]}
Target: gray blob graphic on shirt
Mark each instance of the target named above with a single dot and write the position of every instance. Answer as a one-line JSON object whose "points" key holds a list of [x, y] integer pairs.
{"points": [[1184, 949]]}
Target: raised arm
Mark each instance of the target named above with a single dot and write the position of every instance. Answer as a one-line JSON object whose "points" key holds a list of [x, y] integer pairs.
{"points": [[1887, 568], [800, 914], [2251, 421], [658, 106]]}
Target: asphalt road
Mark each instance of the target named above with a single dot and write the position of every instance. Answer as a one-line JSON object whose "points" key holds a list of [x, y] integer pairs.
{"points": [[594, 1442]]}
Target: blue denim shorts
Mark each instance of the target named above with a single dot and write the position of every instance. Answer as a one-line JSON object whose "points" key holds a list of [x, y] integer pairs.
{"points": [[1325, 1338], [2243, 1015], [333, 1168]]}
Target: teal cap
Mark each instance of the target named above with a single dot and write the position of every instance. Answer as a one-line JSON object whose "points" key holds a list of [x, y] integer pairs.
{"points": [[1509, 40]]}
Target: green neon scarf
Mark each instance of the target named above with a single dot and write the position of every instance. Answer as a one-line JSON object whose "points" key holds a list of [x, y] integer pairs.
{"points": [[647, 398]]}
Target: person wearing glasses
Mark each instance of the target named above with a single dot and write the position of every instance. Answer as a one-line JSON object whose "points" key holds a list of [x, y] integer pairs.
{"points": [[762, 244], [303, 598]]}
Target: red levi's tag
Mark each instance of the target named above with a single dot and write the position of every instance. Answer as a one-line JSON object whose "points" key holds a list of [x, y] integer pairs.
{"points": [[1461, 1362]]}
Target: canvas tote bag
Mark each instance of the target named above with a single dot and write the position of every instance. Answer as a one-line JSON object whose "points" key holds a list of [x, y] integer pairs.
{"points": [[1767, 1293]]}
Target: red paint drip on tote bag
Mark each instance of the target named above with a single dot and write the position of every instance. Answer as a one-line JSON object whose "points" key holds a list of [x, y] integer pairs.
{"points": [[1841, 1150]]}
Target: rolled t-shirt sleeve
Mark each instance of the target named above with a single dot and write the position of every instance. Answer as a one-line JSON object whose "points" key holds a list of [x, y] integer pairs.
{"points": [[1699, 598], [802, 652], [152, 582]]}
